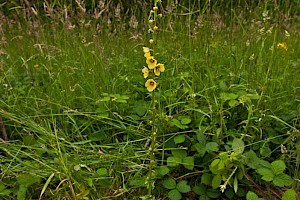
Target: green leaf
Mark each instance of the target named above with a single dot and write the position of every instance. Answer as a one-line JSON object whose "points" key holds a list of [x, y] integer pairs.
{"points": [[179, 139], [204, 197], [200, 149], [265, 151], [200, 189], [163, 170], [233, 103], [252, 196], [28, 179], [267, 174], [216, 181], [252, 160], [183, 187], [178, 124], [180, 153], [290, 194], [213, 193], [169, 183], [238, 145], [173, 161], [201, 138], [211, 147], [22, 192], [277, 167], [206, 179], [281, 180], [188, 162], [102, 172], [137, 182], [107, 98], [174, 195], [185, 120], [235, 185]]}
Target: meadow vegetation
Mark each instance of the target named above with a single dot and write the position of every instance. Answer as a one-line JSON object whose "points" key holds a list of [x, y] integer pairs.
{"points": [[221, 122]]}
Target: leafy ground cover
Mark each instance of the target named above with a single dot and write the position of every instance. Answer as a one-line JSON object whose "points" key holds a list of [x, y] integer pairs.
{"points": [[222, 122]]}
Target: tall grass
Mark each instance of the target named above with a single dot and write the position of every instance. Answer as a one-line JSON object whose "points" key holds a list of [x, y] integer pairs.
{"points": [[73, 98]]}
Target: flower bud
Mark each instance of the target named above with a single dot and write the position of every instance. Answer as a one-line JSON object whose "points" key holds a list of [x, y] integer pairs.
{"points": [[159, 15], [155, 28], [155, 8], [151, 21], [151, 41]]}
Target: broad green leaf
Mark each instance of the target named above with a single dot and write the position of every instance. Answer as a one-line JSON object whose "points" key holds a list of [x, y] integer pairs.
{"points": [[252, 196], [238, 145], [185, 120], [277, 167], [180, 153], [179, 139], [140, 108], [201, 138], [290, 194], [206, 179], [281, 180], [174, 195], [5, 192], [28, 179], [267, 174], [169, 183], [173, 161], [204, 197], [188, 162], [177, 123], [252, 160], [211, 147], [22, 192], [216, 181], [183, 187], [201, 149], [163, 170], [233, 103], [265, 151], [2, 187], [105, 98], [137, 182], [213, 193], [102, 172], [199, 189]]}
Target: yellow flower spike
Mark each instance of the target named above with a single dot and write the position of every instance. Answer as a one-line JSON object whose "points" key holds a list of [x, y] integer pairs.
{"points": [[155, 28], [150, 85], [159, 68], [145, 72], [151, 62], [151, 41]]}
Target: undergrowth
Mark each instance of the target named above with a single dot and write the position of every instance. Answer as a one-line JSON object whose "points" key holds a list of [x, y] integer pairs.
{"points": [[222, 121]]}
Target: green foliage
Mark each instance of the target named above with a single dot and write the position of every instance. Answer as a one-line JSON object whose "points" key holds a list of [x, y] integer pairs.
{"points": [[79, 118]]}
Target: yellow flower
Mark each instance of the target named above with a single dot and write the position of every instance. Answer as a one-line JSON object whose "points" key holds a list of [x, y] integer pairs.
{"points": [[151, 62], [146, 50], [145, 72], [159, 68], [150, 85], [282, 45]]}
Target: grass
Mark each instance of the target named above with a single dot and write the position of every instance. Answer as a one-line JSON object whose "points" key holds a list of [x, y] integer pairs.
{"points": [[77, 113]]}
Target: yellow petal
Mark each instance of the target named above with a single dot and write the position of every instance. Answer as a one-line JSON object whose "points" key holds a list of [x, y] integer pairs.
{"points": [[150, 85], [151, 62]]}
